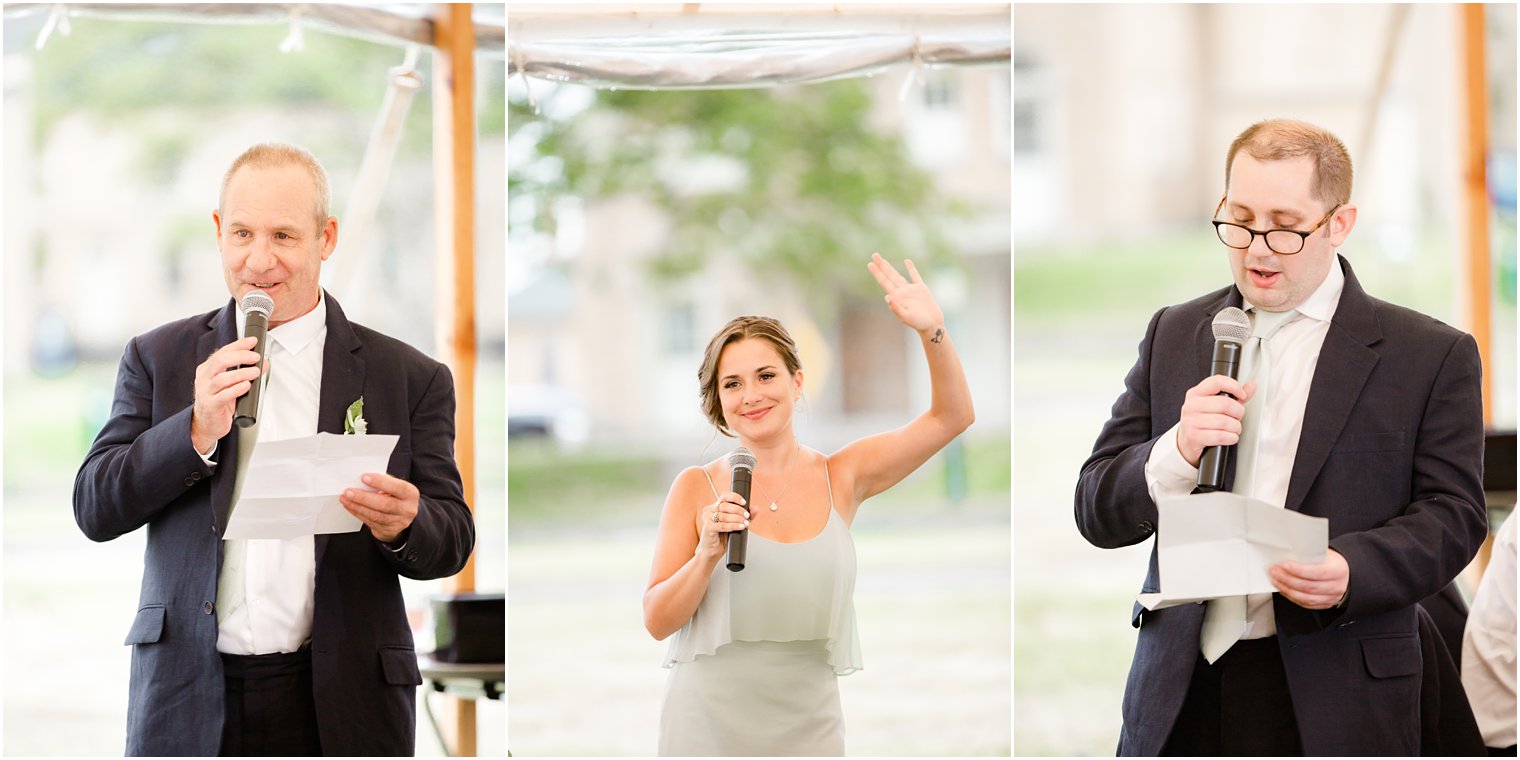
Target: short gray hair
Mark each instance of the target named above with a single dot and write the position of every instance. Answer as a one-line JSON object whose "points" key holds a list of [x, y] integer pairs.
{"points": [[271, 155]]}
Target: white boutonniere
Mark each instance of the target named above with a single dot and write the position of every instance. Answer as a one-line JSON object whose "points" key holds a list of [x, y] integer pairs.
{"points": [[353, 419]]}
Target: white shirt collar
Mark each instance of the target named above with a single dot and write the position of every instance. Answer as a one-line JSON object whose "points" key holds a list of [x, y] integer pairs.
{"points": [[1321, 304], [297, 333]]}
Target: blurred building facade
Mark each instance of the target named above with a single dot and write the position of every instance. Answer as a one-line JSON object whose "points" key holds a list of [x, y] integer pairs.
{"points": [[1123, 116], [105, 238], [611, 354], [1123, 113]]}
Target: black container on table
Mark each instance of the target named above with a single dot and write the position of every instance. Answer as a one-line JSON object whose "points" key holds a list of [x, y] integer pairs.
{"points": [[470, 627]]}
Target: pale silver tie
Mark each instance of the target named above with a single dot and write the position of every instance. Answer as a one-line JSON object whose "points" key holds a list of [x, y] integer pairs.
{"points": [[230, 582], [1224, 621]]}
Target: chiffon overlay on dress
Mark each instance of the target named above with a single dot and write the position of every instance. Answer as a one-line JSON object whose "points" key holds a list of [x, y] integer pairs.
{"points": [[755, 671]]}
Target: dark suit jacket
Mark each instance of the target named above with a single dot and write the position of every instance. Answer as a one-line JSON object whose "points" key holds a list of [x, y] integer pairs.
{"points": [[142, 470], [1391, 454]]}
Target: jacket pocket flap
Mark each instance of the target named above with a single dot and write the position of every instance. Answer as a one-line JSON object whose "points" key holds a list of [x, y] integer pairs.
{"points": [[400, 666], [1392, 656], [148, 627]]}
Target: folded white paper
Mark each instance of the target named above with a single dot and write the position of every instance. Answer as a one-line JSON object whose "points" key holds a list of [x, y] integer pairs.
{"points": [[290, 488], [1220, 544]]}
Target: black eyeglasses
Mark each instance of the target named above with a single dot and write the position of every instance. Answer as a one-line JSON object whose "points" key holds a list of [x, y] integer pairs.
{"points": [[1285, 242]]}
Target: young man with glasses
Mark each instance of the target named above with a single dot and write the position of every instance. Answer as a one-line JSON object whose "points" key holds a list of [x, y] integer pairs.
{"points": [[1353, 409]]}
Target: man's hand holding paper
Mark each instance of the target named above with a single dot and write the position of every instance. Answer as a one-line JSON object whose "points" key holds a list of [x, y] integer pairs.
{"points": [[1318, 586], [388, 510], [1222, 544], [296, 487]]}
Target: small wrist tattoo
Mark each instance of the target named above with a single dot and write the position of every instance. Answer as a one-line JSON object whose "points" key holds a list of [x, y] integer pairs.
{"points": [[939, 335]]}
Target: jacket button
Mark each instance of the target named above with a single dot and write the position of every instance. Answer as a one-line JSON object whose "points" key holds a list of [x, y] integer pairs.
{"points": [[411, 556], [195, 476], [1147, 526], [208, 608], [189, 481]]}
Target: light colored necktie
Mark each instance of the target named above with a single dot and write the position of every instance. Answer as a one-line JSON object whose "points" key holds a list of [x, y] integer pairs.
{"points": [[1224, 622], [230, 582], [229, 586]]}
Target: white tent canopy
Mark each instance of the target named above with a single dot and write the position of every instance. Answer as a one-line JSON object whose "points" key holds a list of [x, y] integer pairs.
{"points": [[712, 46], [394, 23]]}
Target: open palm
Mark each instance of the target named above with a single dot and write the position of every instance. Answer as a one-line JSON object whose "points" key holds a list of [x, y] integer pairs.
{"points": [[910, 300]]}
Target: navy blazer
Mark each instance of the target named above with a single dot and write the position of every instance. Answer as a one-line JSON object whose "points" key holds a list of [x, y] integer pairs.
{"points": [[142, 470], [1391, 453]]}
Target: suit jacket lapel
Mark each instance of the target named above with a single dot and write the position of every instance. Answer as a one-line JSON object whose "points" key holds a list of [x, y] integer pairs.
{"points": [[221, 329], [342, 381], [1345, 362]]}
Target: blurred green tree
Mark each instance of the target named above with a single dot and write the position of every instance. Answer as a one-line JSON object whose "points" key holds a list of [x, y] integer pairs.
{"points": [[818, 187]]}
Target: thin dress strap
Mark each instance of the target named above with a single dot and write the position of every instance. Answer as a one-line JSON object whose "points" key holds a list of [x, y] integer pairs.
{"points": [[715, 488], [827, 486], [821, 609]]}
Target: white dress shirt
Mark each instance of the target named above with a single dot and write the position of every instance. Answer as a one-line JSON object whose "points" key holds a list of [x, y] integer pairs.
{"points": [[1488, 648], [266, 590], [1295, 352]]}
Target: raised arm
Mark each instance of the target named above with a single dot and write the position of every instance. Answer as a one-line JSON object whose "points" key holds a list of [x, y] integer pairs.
{"points": [[689, 548], [875, 463]]}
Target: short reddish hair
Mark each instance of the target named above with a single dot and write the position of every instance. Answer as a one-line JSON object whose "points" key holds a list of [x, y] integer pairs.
{"points": [[1281, 139]]}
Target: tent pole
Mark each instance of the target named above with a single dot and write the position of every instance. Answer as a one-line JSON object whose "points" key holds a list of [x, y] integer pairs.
{"points": [[454, 218], [1476, 257]]}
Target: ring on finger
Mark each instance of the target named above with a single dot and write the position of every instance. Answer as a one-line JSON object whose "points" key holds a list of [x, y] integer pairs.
{"points": [[715, 514]]}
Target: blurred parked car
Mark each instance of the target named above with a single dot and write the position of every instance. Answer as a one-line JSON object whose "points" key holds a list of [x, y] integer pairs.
{"points": [[547, 412]]}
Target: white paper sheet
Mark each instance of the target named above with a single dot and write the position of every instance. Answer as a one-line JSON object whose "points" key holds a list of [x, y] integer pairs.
{"points": [[290, 488], [1220, 544]]}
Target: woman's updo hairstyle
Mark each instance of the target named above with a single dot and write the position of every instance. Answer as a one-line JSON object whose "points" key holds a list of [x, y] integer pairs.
{"points": [[738, 329]]}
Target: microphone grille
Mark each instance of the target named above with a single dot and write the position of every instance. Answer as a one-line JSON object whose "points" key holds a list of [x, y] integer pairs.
{"points": [[257, 300], [741, 459], [1232, 325]]}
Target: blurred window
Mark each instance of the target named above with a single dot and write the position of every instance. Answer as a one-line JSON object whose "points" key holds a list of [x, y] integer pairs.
{"points": [[941, 91], [1030, 102], [680, 329]]}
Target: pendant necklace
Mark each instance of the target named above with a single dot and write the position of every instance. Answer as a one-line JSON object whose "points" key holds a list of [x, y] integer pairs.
{"points": [[775, 502]]}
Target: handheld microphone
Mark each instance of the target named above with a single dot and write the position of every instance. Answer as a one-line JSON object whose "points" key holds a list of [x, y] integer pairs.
{"points": [[256, 306], [1231, 330], [742, 463]]}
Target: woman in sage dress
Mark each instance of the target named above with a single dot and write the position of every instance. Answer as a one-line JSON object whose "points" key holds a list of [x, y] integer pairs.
{"points": [[756, 660]]}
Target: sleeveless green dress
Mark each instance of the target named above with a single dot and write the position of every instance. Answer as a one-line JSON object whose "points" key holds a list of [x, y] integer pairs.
{"points": [[755, 671]]}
